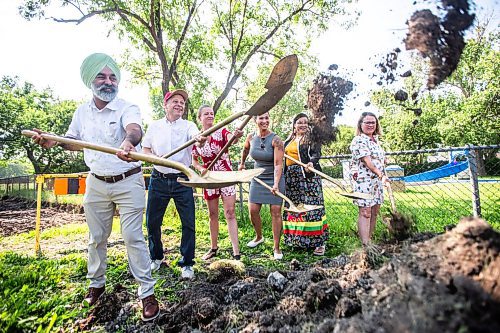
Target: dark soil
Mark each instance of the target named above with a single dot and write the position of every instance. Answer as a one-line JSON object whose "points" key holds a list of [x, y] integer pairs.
{"points": [[440, 39], [446, 283], [326, 100], [18, 215]]}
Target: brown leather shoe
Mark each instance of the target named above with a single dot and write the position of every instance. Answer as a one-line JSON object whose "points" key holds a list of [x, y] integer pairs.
{"points": [[150, 308], [93, 295]]}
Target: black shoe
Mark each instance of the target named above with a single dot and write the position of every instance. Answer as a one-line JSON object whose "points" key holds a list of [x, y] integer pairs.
{"points": [[237, 256], [210, 254]]}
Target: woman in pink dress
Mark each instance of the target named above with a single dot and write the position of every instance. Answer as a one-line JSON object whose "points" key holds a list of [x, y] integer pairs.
{"points": [[207, 153]]}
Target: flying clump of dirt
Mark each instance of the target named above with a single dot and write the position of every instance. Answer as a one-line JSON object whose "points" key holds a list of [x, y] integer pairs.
{"points": [[388, 67], [326, 100], [441, 40]]}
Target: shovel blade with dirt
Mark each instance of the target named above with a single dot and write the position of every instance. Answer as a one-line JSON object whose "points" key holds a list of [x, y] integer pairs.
{"points": [[283, 73]]}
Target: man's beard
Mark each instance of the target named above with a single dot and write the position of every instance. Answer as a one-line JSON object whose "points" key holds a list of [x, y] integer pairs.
{"points": [[99, 92]]}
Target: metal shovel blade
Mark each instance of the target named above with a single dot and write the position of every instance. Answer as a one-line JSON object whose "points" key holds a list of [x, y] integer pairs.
{"points": [[283, 72], [218, 179], [352, 195], [301, 208], [267, 101]]}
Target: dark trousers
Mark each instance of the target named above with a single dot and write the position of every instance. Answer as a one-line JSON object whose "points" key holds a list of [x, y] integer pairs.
{"points": [[161, 189]]}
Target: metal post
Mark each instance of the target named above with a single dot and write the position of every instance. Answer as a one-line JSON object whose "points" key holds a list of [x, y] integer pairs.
{"points": [[39, 182], [241, 201], [476, 200]]}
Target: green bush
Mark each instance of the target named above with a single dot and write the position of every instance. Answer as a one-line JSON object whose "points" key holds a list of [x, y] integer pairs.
{"points": [[333, 171]]}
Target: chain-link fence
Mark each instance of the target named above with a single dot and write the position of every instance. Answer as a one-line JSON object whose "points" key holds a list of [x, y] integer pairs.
{"points": [[430, 185], [435, 186]]}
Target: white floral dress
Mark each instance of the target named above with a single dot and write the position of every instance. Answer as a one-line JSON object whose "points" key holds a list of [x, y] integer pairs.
{"points": [[363, 179]]}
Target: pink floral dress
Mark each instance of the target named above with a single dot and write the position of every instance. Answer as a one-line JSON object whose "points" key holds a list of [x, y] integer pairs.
{"points": [[207, 153], [363, 179]]}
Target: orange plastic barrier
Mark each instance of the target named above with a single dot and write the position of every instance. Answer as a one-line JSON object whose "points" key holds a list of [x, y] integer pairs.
{"points": [[64, 186]]}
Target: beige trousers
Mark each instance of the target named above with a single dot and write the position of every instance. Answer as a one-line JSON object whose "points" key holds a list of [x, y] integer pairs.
{"points": [[100, 201]]}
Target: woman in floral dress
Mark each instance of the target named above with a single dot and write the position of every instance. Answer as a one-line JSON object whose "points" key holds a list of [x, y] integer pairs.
{"points": [[309, 229], [367, 172], [207, 153]]}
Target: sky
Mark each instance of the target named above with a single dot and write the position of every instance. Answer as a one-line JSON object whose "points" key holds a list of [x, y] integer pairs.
{"points": [[49, 54]]}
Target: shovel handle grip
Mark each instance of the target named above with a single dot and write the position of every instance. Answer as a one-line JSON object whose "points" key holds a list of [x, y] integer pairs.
{"points": [[319, 173]]}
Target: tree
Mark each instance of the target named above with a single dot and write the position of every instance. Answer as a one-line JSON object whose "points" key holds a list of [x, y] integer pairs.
{"points": [[24, 107], [344, 137], [203, 45]]}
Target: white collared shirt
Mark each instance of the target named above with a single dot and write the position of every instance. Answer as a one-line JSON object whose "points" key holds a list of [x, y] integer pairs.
{"points": [[105, 127], [164, 136]]}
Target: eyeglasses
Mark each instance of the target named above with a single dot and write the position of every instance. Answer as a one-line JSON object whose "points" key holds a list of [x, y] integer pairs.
{"points": [[262, 143], [369, 122]]}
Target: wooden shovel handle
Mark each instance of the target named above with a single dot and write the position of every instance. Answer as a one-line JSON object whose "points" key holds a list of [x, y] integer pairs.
{"points": [[319, 173], [226, 146], [111, 150], [206, 133], [391, 196], [278, 193]]}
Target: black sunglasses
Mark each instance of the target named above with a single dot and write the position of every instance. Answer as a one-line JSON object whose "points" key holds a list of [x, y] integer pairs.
{"points": [[262, 143]]}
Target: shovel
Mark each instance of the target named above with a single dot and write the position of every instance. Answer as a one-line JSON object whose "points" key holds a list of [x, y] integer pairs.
{"points": [[283, 72], [400, 225], [300, 208], [214, 179], [352, 195]]}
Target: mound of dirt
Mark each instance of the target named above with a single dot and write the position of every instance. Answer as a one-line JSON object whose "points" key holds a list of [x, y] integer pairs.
{"points": [[449, 283], [18, 215]]}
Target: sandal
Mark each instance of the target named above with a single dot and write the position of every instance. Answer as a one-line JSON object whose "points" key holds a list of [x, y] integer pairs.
{"points": [[237, 256], [210, 254], [319, 251]]}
